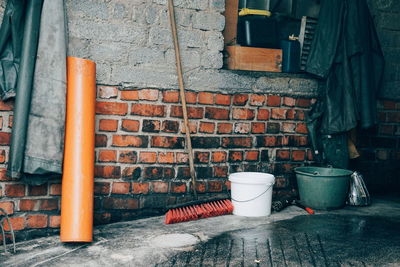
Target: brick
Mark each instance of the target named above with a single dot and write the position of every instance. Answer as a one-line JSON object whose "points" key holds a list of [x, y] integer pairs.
{"points": [[263, 114], [204, 172], [7, 106], [200, 187], [223, 100], [267, 141], [167, 142], [48, 204], [120, 203], [206, 98], [3, 176], [192, 127], [10, 121], [14, 190], [100, 140], [140, 188], [218, 156], [289, 101], [243, 114], [387, 129], [235, 156], [130, 95], [258, 127], [184, 173], [303, 102], [273, 101], [165, 158], [296, 140], [207, 127], [252, 155], [159, 187], [168, 173], [257, 100], [201, 157], [151, 126], [147, 157], [278, 113], [393, 117], [264, 155], [107, 92], [193, 112], [107, 156], [298, 155], [170, 97], [7, 206], [224, 128], [148, 94], [178, 187], [170, 126], [107, 171], [153, 173], [102, 188], [220, 171], [273, 127], [295, 114], [214, 186], [283, 155], [37, 190], [29, 205], [241, 128], [191, 97], [2, 156], [130, 141], [288, 127], [55, 221], [127, 157], [182, 158], [5, 139], [387, 104], [240, 99], [301, 128], [131, 173], [55, 190], [130, 125], [237, 142], [37, 221], [217, 113], [206, 142], [148, 110], [108, 125], [121, 188], [111, 108], [17, 223]]}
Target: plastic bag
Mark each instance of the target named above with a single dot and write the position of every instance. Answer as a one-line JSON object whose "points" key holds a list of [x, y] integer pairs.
{"points": [[358, 193]]}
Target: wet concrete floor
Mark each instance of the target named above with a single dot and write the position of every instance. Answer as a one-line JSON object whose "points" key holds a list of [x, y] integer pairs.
{"points": [[366, 236], [321, 240]]}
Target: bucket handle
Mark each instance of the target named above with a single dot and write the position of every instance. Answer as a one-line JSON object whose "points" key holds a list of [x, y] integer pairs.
{"points": [[253, 197]]}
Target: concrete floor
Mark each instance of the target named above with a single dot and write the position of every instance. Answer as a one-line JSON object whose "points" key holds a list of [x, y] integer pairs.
{"points": [[364, 236]]}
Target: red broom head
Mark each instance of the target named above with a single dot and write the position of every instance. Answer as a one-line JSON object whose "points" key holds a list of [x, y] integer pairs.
{"points": [[200, 211]]}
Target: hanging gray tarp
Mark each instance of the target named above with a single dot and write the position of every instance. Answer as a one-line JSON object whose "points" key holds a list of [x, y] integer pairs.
{"points": [[45, 136], [39, 110], [24, 86]]}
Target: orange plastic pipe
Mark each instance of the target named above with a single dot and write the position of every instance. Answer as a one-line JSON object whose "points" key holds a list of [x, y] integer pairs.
{"points": [[78, 168]]}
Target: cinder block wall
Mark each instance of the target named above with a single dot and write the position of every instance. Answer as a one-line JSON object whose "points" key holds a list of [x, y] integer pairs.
{"points": [[246, 121]]}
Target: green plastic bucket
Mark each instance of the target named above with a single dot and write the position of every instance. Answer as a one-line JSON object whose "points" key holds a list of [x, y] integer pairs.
{"points": [[323, 188]]}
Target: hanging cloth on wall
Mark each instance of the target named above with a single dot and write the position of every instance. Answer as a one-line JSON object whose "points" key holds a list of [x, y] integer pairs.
{"points": [[39, 110], [346, 55]]}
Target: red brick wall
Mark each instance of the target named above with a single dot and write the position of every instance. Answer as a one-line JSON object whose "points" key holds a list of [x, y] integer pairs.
{"points": [[141, 164]]}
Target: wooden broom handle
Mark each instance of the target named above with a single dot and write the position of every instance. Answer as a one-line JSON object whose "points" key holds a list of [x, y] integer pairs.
{"points": [[182, 93]]}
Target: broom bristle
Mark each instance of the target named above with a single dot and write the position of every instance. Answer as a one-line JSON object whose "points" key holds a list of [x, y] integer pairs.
{"points": [[200, 211]]}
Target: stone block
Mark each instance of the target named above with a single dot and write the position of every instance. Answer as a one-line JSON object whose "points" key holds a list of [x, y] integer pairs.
{"points": [[208, 21]]}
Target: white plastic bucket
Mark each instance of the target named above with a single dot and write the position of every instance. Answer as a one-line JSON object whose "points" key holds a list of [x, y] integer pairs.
{"points": [[251, 193]]}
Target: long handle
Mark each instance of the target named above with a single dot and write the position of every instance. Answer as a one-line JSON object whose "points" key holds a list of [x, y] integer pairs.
{"points": [[182, 93]]}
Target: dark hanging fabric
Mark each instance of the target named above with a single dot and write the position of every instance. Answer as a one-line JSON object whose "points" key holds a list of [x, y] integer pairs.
{"points": [[24, 86], [11, 37], [346, 55], [33, 38]]}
